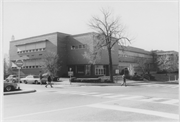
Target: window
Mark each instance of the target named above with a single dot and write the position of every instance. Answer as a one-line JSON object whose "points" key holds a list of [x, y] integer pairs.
{"points": [[24, 51], [88, 70], [36, 49], [80, 69], [83, 46], [36, 66], [29, 66], [99, 70], [32, 55], [40, 54], [29, 50], [33, 66], [80, 46], [36, 76], [72, 47], [27, 55]]}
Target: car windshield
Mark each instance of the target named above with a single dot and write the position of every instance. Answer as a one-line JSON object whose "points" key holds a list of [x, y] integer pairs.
{"points": [[30, 76], [36, 76]]}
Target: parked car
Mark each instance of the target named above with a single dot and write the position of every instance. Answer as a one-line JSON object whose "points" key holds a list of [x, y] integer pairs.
{"points": [[11, 83], [31, 79], [12, 78]]}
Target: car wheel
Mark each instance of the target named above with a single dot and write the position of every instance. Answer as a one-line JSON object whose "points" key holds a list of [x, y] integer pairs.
{"points": [[8, 88], [25, 82], [36, 82]]}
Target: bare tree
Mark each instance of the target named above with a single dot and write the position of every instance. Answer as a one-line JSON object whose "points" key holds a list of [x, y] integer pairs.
{"points": [[92, 55], [143, 64], [7, 68], [110, 32], [51, 63], [167, 63]]}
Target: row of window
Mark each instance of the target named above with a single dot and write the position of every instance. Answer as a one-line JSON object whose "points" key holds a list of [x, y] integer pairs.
{"points": [[32, 50], [78, 47], [100, 70], [32, 55], [125, 55], [29, 67]]}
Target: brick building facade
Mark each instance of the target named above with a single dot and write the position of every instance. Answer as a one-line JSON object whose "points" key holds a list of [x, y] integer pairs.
{"points": [[73, 51]]}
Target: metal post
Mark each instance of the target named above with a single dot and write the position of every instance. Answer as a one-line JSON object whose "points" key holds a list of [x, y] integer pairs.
{"points": [[70, 77], [19, 76]]}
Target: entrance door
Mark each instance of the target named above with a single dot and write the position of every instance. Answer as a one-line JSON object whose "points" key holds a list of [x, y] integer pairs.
{"points": [[80, 70]]}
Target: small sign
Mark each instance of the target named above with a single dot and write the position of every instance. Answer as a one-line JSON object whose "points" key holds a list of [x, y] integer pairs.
{"points": [[70, 73], [19, 63], [18, 67], [117, 71]]}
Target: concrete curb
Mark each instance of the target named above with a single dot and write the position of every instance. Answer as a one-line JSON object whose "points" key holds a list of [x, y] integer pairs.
{"points": [[19, 92]]}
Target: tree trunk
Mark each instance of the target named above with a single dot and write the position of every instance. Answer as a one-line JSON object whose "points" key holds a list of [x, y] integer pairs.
{"points": [[110, 65]]}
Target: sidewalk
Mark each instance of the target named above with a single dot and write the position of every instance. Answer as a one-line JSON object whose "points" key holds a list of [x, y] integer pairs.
{"points": [[92, 84], [22, 91], [117, 83]]}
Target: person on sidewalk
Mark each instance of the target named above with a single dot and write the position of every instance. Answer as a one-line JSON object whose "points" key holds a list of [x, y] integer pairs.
{"points": [[49, 79], [125, 74], [40, 77]]}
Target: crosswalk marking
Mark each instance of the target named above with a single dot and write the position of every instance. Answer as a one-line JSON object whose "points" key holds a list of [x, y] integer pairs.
{"points": [[151, 99], [107, 94], [116, 96], [124, 97], [172, 101], [133, 97], [159, 85], [135, 110]]}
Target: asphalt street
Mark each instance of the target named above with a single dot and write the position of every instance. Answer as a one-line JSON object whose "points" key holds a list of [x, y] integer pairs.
{"points": [[138, 102]]}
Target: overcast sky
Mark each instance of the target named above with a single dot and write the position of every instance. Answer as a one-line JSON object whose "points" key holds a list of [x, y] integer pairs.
{"points": [[152, 24]]}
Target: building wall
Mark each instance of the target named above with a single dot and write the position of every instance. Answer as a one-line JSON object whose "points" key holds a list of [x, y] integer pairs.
{"points": [[78, 47], [74, 52], [62, 53], [128, 55], [32, 60]]}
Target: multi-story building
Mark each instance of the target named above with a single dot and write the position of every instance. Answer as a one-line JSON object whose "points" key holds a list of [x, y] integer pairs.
{"points": [[128, 56], [72, 49], [74, 52]]}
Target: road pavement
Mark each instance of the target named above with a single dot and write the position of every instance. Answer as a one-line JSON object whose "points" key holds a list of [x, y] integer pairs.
{"points": [[138, 102]]}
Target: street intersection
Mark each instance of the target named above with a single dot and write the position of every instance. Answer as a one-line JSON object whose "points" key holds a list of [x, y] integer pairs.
{"points": [[138, 102]]}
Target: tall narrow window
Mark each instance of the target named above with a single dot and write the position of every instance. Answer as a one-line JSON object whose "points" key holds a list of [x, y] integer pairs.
{"points": [[88, 70], [99, 70]]}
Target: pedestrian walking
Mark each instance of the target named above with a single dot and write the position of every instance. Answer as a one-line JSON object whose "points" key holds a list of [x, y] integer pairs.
{"points": [[40, 77], [125, 74], [49, 79]]}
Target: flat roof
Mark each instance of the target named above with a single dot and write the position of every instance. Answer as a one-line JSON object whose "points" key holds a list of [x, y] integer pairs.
{"points": [[38, 36]]}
